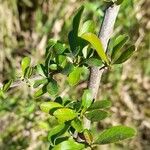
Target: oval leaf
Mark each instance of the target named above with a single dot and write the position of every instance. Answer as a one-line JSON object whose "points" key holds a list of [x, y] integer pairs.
{"points": [[115, 134], [96, 115], [52, 87], [100, 105], [74, 76], [97, 45], [87, 99], [64, 114], [47, 106], [25, 63]]}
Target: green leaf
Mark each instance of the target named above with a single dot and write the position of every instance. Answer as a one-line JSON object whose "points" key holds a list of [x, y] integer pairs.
{"points": [[37, 83], [25, 63], [88, 136], [69, 145], [76, 20], [88, 26], [47, 106], [76, 43], [115, 134], [93, 62], [74, 76], [68, 68], [96, 115], [118, 44], [28, 72], [56, 132], [40, 92], [64, 114], [59, 48], [125, 55], [52, 87], [6, 85], [87, 98], [77, 125], [53, 67], [100, 105], [41, 70], [97, 45]]}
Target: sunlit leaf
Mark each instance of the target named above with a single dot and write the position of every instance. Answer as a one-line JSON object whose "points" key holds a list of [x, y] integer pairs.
{"points": [[64, 114], [25, 63], [115, 134], [87, 98], [97, 45], [47, 106], [74, 76]]}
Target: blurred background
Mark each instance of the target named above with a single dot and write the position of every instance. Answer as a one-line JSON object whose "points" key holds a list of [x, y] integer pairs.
{"points": [[25, 28]]}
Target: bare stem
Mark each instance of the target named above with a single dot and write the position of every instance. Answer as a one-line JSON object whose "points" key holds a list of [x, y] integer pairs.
{"points": [[105, 33]]}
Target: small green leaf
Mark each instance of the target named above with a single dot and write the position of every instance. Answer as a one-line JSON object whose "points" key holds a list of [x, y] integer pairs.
{"points": [[64, 114], [52, 87], [37, 83], [59, 48], [74, 76], [47, 106], [96, 115], [40, 92], [25, 63], [125, 55], [41, 70], [118, 44], [77, 125], [88, 26], [87, 98], [97, 45], [68, 68], [6, 85], [28, 72], [100, 105], [115, 134], [69, 145], [56, 132], [76, 20], [88, 136], [53, 67]]}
